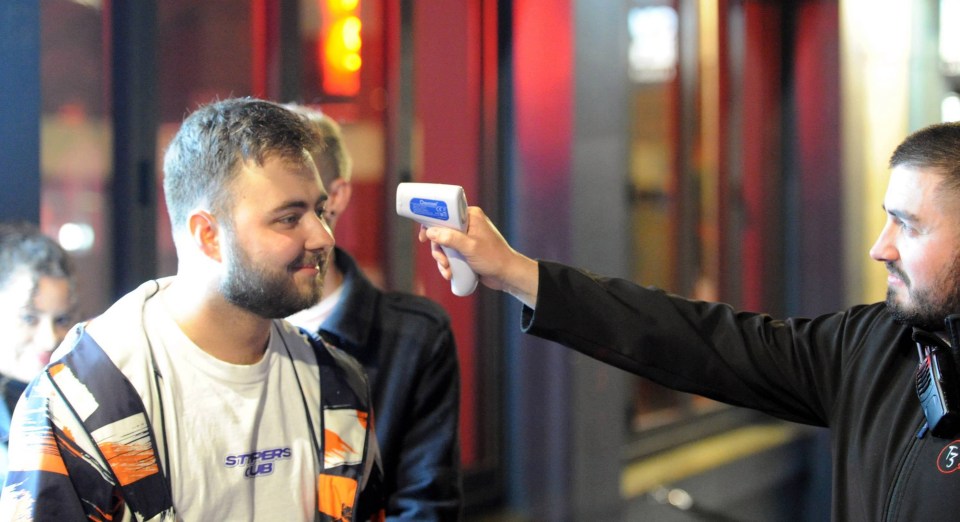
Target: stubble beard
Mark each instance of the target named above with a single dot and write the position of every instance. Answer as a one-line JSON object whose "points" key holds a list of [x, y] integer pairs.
{"points": [[928, 310], [270, 295]]}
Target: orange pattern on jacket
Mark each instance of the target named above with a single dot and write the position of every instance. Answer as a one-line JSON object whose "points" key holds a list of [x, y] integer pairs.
{"points": [[335, 448], [335, 496], [130, 462]]}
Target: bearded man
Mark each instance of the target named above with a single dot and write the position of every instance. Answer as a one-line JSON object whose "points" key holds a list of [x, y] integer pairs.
{"points": [[190, 398]]}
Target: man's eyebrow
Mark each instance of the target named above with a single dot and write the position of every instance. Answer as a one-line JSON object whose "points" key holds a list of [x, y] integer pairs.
{"points": [[300, 204], [901, 214], [297, 204]]}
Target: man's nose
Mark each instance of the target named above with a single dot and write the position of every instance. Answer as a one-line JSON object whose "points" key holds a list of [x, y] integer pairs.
{"points": [[883, 248], [321, 237]]}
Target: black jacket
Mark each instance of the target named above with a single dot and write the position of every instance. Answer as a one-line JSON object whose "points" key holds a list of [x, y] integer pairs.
{"points": [[407, 348], [852, 371]]}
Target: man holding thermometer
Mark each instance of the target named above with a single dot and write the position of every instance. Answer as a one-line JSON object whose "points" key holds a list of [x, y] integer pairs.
{"points": [[867, 373]]}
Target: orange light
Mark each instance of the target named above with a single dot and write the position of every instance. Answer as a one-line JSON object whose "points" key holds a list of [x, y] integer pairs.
{"points": [[347, 5], [350, 33], [340, 42]]}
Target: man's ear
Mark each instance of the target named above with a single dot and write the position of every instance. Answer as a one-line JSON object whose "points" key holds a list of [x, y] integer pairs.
{"points": [[338, 197], [205, 233]]}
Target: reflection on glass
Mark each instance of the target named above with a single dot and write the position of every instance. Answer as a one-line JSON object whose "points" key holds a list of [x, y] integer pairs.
{"points": [[75, 137], [653, 43], [656, 200], [76, 238], [950, 107]]}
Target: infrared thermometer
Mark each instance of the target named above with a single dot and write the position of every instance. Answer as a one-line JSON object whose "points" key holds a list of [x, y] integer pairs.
{"points": [[439, 205]]}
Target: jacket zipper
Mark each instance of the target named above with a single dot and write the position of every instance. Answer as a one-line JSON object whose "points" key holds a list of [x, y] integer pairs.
{"points": [[893, 499]]}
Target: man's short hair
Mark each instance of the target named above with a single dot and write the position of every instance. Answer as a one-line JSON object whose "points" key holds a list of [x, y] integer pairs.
{"points": [[205, 155], [934, 147], [329, 152], [24, 247]]}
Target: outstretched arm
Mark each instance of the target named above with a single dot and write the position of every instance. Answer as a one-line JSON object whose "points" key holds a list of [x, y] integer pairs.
{"points": [[497, 264]]}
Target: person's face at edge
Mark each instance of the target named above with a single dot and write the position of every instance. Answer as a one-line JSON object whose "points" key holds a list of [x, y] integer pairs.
{"points": [[34, 319], [920, 246], [276, 245]]}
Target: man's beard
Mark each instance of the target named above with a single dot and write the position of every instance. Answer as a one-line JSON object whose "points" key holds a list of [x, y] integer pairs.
{"points": [[928, 311], [266, 294]]}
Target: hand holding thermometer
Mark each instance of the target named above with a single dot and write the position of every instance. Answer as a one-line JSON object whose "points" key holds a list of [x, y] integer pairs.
{"points": [[438, 205]]}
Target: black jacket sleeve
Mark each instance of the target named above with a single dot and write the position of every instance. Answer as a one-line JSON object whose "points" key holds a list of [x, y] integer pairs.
{"points": [[788, 368], [428, 458]]}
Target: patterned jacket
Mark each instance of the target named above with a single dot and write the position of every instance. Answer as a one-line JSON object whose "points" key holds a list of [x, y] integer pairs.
{"points": [[83, 447]]}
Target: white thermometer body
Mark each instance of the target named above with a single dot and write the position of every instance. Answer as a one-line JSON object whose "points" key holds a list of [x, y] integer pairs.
{"points": [[439, 205]]}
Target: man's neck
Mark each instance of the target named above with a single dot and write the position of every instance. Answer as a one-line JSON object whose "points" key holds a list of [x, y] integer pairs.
{"points": [[221, 329]]}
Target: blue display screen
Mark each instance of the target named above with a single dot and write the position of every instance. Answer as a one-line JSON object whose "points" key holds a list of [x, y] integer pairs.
{"points": [[430, 208]]}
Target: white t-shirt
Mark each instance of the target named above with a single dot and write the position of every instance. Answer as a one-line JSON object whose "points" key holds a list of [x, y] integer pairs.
{"points": [[237, 435], [311, 318]]}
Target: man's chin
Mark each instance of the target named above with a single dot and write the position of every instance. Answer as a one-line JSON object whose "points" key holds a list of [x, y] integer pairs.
{"points": [[913, 319], [311, 290], [307, 297]]}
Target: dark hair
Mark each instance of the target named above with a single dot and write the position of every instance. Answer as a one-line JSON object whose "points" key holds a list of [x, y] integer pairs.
{"points": [[23, 246], [204, 156], [329, 152], [934, 147]]}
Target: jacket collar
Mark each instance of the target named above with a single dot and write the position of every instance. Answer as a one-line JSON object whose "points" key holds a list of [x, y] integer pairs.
{"points": [[352, 320]]}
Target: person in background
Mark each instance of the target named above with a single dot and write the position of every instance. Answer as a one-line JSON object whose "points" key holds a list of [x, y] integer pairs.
{"points": [[405, 344], [37, 307], [865, 373], [191, 398]]}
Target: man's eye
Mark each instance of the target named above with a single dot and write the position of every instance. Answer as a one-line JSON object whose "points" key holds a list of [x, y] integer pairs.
{"points": [[30, 319], [64, 321], [289, 220], [901, 224], [908, 229]]}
